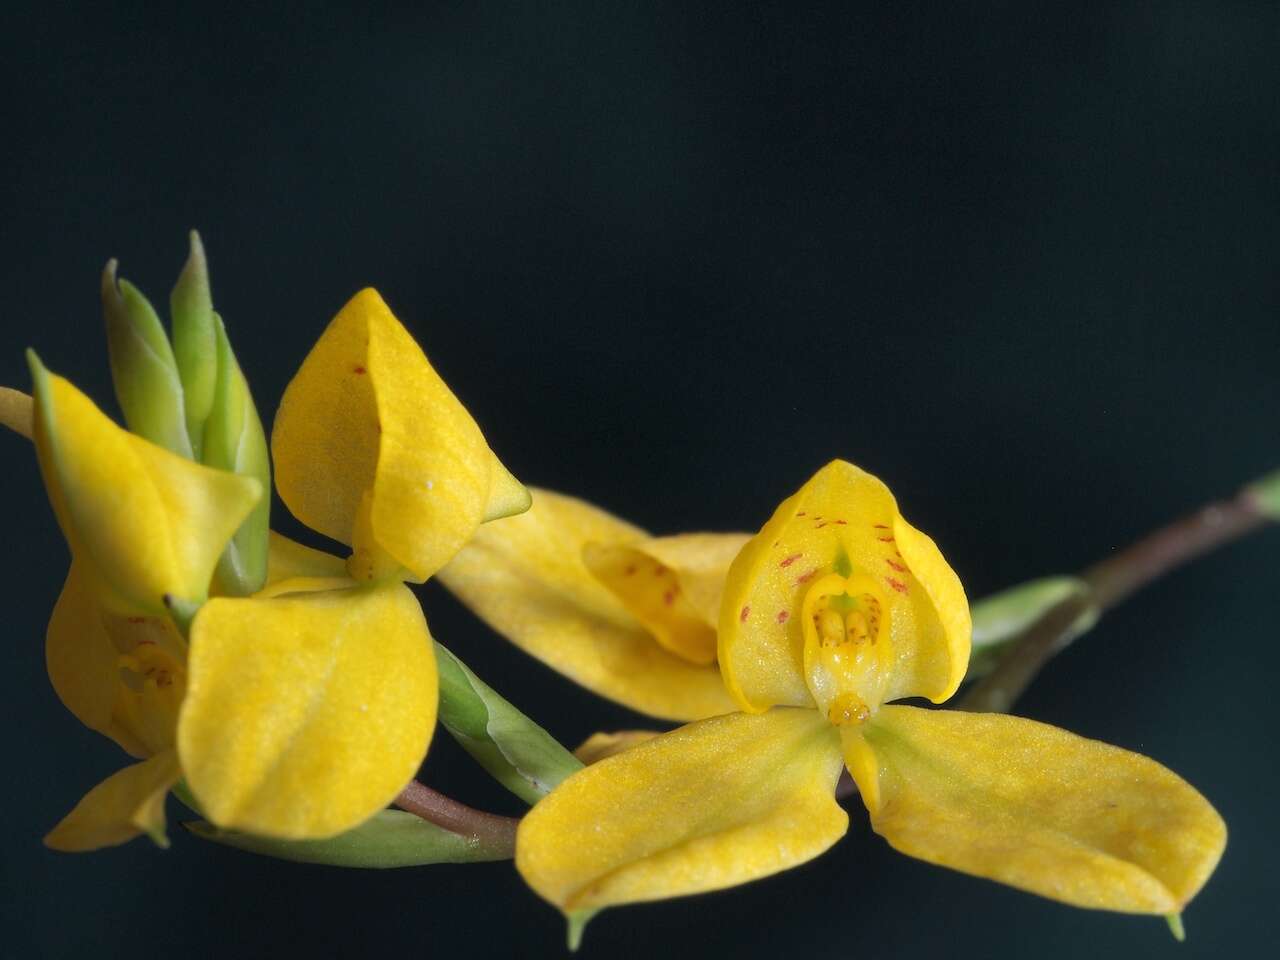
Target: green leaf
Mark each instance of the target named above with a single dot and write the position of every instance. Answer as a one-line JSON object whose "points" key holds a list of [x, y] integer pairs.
{"points": [[1004, 616], [195, 340], [143, 368], [517, 752], [391, 838], [234, 441]]}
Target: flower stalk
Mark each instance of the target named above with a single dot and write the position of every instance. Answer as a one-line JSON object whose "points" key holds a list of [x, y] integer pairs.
{"points": [[1110, 582]]}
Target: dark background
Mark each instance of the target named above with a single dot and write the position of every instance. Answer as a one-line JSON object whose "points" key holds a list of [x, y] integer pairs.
{"points": [[1017, 259]]}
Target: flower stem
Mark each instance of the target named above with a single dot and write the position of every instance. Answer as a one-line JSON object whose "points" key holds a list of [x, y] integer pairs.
{"points": [[495, 833], [1110, 582]]}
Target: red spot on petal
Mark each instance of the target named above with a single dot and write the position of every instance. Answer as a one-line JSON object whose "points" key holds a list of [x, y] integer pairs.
{"points": [[819, 526], [879, 526], [357, 369], [630, 571], [783, 616], [659, 570], [885, 539], [137, 619], [842, 522], [669, 597], [800, 514], [901, 568], [746, 612], [805, 578], [896, 584], [791, 559]]}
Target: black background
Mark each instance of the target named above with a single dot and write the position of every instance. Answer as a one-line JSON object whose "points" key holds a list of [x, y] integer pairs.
{"points": [[1018, 259]]}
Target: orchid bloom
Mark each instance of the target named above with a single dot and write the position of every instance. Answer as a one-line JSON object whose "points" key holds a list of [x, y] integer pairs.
{"points": [[627, 615], [304, 709], [837, 607]]}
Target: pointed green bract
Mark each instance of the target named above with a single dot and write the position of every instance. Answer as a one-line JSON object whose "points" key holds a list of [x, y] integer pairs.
{"points": [[391, 838], [1266, 493], [234, 441], [517, 752], [195, 341], [143, 367]]}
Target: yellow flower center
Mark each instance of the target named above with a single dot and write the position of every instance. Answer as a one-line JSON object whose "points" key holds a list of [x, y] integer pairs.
{"points": [[847, 650]]}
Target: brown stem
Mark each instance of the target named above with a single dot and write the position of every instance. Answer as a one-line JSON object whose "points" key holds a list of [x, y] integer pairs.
{"points": [[495, 833], [1111, 581]]}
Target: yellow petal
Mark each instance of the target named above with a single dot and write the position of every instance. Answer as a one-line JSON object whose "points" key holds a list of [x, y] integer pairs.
{"points": [[84, 665], [287, 559], [670, 584], [1037, 808], [367, 416], [306, 714], [843, 520], [15, 411], [525, 577], [142, 523], [711, 805], [125, 805], [598, 746]]}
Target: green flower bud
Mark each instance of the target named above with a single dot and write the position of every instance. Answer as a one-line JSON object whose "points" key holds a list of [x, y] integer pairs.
{"points": [[195, 346], [143, 368], [234, 441]]}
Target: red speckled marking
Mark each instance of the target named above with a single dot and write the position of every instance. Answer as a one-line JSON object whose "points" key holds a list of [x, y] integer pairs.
{"points": [[669, 597], [820, 525], [805, 578], [783, 616], [137, 619], [901, 568], [791, 559], [630, 571], [843, 522], [746, 612], [896, 584], [879, 526], [659, 570], [800, 514], [885, 539], [357, 369]]}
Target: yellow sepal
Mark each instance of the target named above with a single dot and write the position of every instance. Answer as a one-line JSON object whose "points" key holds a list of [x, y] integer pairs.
{"points": [[598, 746], [525, 577], [306, 714], [367, 418], [143, 524], [1037, 808], [845, 521], [714, 804], [671, 584], [127, 804]]}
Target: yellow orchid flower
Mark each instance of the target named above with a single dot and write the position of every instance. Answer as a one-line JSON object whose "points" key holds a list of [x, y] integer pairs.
{"points": [[837, 606], [277, 710], [627, 615]]}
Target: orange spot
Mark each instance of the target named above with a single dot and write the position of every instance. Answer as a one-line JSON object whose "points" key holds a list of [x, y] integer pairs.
{"points": [[901, 568], [746, 612], [805, 578], [791, 559], [631, 569], [357, 369], [783, 616], [896, 584], [879, 526], [669, 597], [885, 539]]}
